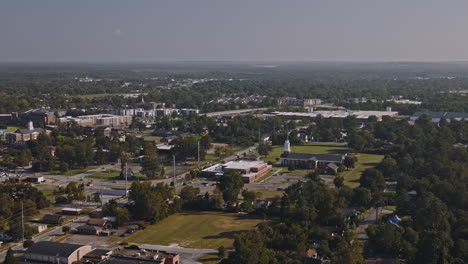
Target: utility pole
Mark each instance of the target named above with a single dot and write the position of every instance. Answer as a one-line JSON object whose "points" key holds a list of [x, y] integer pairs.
{"points": [[22, 218], [100, 194], [126, 169], [174, 171], [198, 154]]}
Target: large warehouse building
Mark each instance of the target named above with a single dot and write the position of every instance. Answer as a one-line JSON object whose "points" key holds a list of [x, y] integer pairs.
{"points": [[360, 115], [54, 252]]}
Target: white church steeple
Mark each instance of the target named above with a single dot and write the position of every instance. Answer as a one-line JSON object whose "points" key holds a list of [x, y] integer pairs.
{"points": [[30, 125], [287, 146]]}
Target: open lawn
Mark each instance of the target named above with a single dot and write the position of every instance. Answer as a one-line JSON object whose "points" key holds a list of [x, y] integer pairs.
{"points": [[195, 230], [264, 177], [138, 131], [310, 148], [47, 192], [209, 259], [73, 172], [104, 175], [352, 176], [269, 193], [364, 162], [12, 129]]}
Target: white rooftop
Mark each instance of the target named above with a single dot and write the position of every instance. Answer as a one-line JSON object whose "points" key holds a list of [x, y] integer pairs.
{"points": [[338, 114], [244, 164]]}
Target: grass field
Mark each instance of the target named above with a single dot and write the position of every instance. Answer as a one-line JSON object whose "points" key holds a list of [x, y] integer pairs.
{"points": [[138, 131], [364, 162], [209, 259], [264, 177], [12, 129], [73, 172], [310, 148], [104, 175], [47, 192], [195, 230], [269, 193]]}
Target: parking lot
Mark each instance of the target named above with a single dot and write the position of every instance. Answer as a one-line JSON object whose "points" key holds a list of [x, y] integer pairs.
{"points": [[278, 182]]}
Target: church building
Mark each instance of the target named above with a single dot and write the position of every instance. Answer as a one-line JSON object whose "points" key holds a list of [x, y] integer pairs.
{"points": [[327, 162]]}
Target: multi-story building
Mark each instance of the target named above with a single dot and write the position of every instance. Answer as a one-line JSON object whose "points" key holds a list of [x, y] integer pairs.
{"points": [[292, 101], [100, 120]]}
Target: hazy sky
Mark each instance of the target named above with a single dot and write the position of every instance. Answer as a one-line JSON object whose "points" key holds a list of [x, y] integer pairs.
{"points": [[263, 30]]}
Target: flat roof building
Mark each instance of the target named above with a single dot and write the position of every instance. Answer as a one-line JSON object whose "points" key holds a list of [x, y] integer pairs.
{"points": [[100, 120], [361, 115], [250, 170]]}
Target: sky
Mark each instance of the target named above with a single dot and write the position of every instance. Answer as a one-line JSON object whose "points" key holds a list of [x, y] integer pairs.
{"points": [[233, 30]]}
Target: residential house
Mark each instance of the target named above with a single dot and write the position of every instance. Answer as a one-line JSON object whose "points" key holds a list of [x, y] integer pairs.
{"points": [[89, 230], [97, 222]]}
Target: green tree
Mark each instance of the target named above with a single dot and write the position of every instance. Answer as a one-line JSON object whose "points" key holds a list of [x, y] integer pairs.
{"points": [[251, 248], [373, 180], [230, 185], [349, 161], [10, 257], [222, 252], [150, 165], [189, 192], [338, 181], [264, 148], [28, 243]]}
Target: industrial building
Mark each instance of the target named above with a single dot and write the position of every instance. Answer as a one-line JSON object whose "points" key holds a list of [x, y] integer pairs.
{"points": [[54, 252], [360, 115]]}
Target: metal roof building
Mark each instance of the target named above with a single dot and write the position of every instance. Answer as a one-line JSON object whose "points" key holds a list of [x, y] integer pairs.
{"points": [[54, 252]]}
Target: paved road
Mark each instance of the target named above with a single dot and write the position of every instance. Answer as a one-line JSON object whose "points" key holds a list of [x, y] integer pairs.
{"points": [[369, 219], [187, 255], [234, 112]]}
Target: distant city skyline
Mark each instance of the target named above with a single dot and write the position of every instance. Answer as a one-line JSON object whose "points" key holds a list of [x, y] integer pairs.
{"points": [[242, 30]]}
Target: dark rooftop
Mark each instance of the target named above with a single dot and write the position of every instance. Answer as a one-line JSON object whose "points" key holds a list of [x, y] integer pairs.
{"points": [[52, 248], [98, 252], [27, 131], [124, 260], [318, 157]]}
